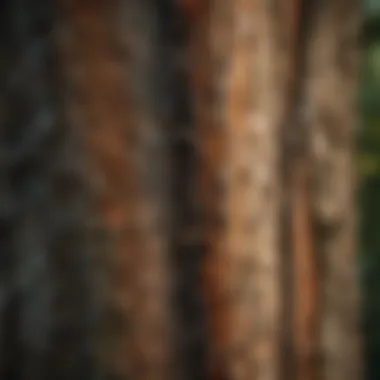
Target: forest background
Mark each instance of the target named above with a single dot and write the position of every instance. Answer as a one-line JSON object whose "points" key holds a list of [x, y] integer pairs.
{"points": [[370, 186]]}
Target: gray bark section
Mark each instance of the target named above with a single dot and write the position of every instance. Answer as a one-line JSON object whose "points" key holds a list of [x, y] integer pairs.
{"points": [[333, 115]]}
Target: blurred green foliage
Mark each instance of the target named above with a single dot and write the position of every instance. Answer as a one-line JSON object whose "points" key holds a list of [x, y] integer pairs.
{"points": [[369, 195]]}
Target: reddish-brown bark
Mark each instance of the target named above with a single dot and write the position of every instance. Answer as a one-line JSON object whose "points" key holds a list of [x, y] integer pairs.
{"points": [[111, 59], [237, 117], [305, 283], [304, 287]]}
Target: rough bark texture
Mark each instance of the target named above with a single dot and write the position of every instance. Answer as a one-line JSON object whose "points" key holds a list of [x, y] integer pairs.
{"points": [[47, 307], [257, 66], [332, 113], [114, 49], [300, 291], [238, 115]]}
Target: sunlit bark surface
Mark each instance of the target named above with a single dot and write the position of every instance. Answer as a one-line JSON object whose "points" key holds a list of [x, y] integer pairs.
{"points": [[238, 115]]}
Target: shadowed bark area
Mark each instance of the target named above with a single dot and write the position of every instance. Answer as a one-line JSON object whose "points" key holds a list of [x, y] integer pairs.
{"points": [[115, 58], [188, 242], [238, 115], [331, 109], [47, 309]]}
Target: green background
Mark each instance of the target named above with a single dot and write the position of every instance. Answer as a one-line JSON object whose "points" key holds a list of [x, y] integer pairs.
{"points": [[369, 195]]}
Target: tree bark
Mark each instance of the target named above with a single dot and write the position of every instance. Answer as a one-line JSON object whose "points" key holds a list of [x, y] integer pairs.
{"points": [[332, 114], [114, 55], [238, 114]]}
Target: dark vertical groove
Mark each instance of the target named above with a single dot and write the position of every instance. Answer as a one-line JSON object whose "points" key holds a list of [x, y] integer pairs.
{"points": [[188, 244]]}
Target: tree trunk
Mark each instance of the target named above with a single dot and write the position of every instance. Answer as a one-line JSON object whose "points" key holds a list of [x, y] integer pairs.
{"points": [[331, 111], [238, 114], [115, 56], [47, 295]]}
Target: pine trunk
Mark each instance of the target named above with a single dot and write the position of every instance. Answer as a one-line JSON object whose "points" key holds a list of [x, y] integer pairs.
{"points": [[238, 115], [113, 54], [331, 110]]}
